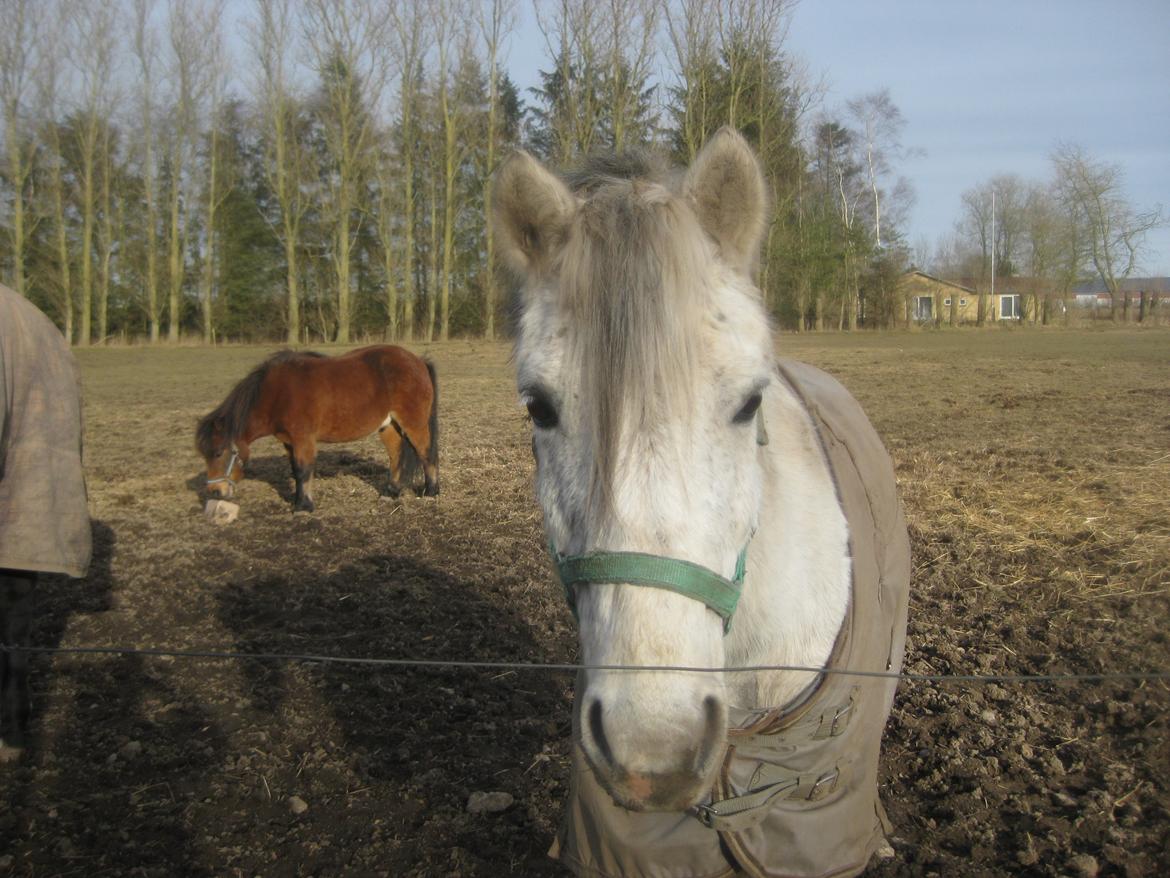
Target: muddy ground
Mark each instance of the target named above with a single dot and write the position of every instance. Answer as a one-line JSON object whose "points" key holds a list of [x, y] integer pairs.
{"points": [[1035, 469]]}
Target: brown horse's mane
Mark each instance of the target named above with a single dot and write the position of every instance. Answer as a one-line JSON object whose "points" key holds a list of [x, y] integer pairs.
{"points": [[231, 417]]}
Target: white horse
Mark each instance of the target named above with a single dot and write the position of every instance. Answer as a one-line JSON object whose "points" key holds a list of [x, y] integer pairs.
{"points": [[682, 468]]}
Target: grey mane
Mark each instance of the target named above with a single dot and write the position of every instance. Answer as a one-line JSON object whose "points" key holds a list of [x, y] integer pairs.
{"points": [[602, 168], [636, 275]]}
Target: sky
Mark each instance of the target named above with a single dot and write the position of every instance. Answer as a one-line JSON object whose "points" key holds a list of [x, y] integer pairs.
{"points": [[989, 88]]}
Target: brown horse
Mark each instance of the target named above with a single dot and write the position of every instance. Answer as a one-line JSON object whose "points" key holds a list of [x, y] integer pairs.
{"points": [[303, 398]]}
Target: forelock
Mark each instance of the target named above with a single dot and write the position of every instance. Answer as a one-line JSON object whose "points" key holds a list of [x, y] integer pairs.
{"points": [[636, 278]]}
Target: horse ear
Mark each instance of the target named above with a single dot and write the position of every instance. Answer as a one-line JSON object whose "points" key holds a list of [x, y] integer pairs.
{"points": [[727, 190], [531, 209]]}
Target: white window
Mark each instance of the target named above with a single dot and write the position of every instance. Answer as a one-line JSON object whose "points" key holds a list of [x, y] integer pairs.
{"points": [[947, 301], [962, 303], [924, 307], [1009, 307]]}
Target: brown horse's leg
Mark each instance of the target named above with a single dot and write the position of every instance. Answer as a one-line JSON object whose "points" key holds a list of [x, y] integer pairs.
{"points": [[16, 603], [392, 439], [420, 438], [303, 455]]}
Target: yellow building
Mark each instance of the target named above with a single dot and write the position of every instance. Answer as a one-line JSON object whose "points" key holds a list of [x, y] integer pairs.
{"points": [[931, 300]]}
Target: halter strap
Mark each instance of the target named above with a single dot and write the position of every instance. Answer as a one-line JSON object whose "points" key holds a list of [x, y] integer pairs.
{"points": [[636, 568], [227, 473]]}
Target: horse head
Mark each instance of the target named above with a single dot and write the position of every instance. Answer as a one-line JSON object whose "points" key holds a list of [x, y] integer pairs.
{"points": [[643, 353], [223, 456]]}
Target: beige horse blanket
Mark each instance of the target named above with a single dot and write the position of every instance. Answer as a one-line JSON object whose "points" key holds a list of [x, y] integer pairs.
{"points": [[797, 795], [44, 518]]}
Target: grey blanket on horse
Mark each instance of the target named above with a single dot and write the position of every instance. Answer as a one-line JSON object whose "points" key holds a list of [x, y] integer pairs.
{"points": [[44, 518], [797, 794]]}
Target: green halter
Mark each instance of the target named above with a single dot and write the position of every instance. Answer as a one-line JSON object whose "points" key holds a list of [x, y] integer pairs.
{"points": [[635, 568]]}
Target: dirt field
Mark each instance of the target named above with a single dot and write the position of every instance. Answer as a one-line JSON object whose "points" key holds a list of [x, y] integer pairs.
{"points": [[1035, 468]]}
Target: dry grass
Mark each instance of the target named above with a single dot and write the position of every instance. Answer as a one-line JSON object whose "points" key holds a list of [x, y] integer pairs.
{"points": [[1035, 470]]}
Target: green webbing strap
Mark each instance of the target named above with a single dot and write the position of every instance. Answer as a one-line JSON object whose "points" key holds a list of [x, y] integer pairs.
{"points": [[636, 568]]}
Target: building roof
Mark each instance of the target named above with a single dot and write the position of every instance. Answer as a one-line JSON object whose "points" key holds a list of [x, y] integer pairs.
{"points": [[1130, 285], [938, 280]]}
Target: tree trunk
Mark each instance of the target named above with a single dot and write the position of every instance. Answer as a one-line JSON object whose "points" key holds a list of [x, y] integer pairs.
{"points": [[450, 167], [432, 260], [105, 277], [343, 246], [489, 268], [174, 261], [16, 171], [85, 330], [64, 267], [293, 281], [209, 249], [408, 285]]}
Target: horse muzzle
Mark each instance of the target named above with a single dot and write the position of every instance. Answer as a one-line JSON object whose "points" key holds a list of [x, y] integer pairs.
{"points": [[662, 763], [223, 489]]}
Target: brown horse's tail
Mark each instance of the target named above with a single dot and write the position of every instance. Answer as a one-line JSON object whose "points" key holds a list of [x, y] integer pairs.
{"points": [[410, 462], [433, 451]]}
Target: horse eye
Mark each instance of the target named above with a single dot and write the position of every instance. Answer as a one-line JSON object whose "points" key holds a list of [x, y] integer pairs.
{"points": [[749, 409], [542, 412]]}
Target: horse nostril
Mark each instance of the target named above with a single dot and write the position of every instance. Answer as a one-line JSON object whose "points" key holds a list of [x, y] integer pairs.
{"points": [[713, 733], [714, 711], [597, 731]]}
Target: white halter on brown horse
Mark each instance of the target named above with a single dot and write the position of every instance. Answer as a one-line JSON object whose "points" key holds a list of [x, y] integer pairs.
{"points": [[707, 506]]}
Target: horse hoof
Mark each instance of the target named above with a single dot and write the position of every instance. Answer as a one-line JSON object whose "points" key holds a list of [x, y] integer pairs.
{"points": [[305, 506], [431, 490], [393, 492]]}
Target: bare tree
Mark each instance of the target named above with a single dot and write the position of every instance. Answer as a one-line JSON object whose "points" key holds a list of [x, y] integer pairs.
{"points": [[432, 133], [880, 124], [385, 220], [690, 28], [146, 51], [629, 42], [840, 170], [497, 17], [410, 39], [747, 31], [272, 38], [976, 225], [1041, 250], [1116, 231], [1011, 196], [218, 185], [453, 40], [19, 38], [572, 32], [348, 40], [105, 241], [92, 52], [190, 28], [49, 102]]}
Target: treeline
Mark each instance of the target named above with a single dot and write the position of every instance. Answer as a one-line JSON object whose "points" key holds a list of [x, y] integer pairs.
{"points": [[324, 173], [1042, 238]]}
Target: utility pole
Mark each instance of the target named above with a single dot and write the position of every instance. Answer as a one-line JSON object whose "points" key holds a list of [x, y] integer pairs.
{"points": [[993, 311]]}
